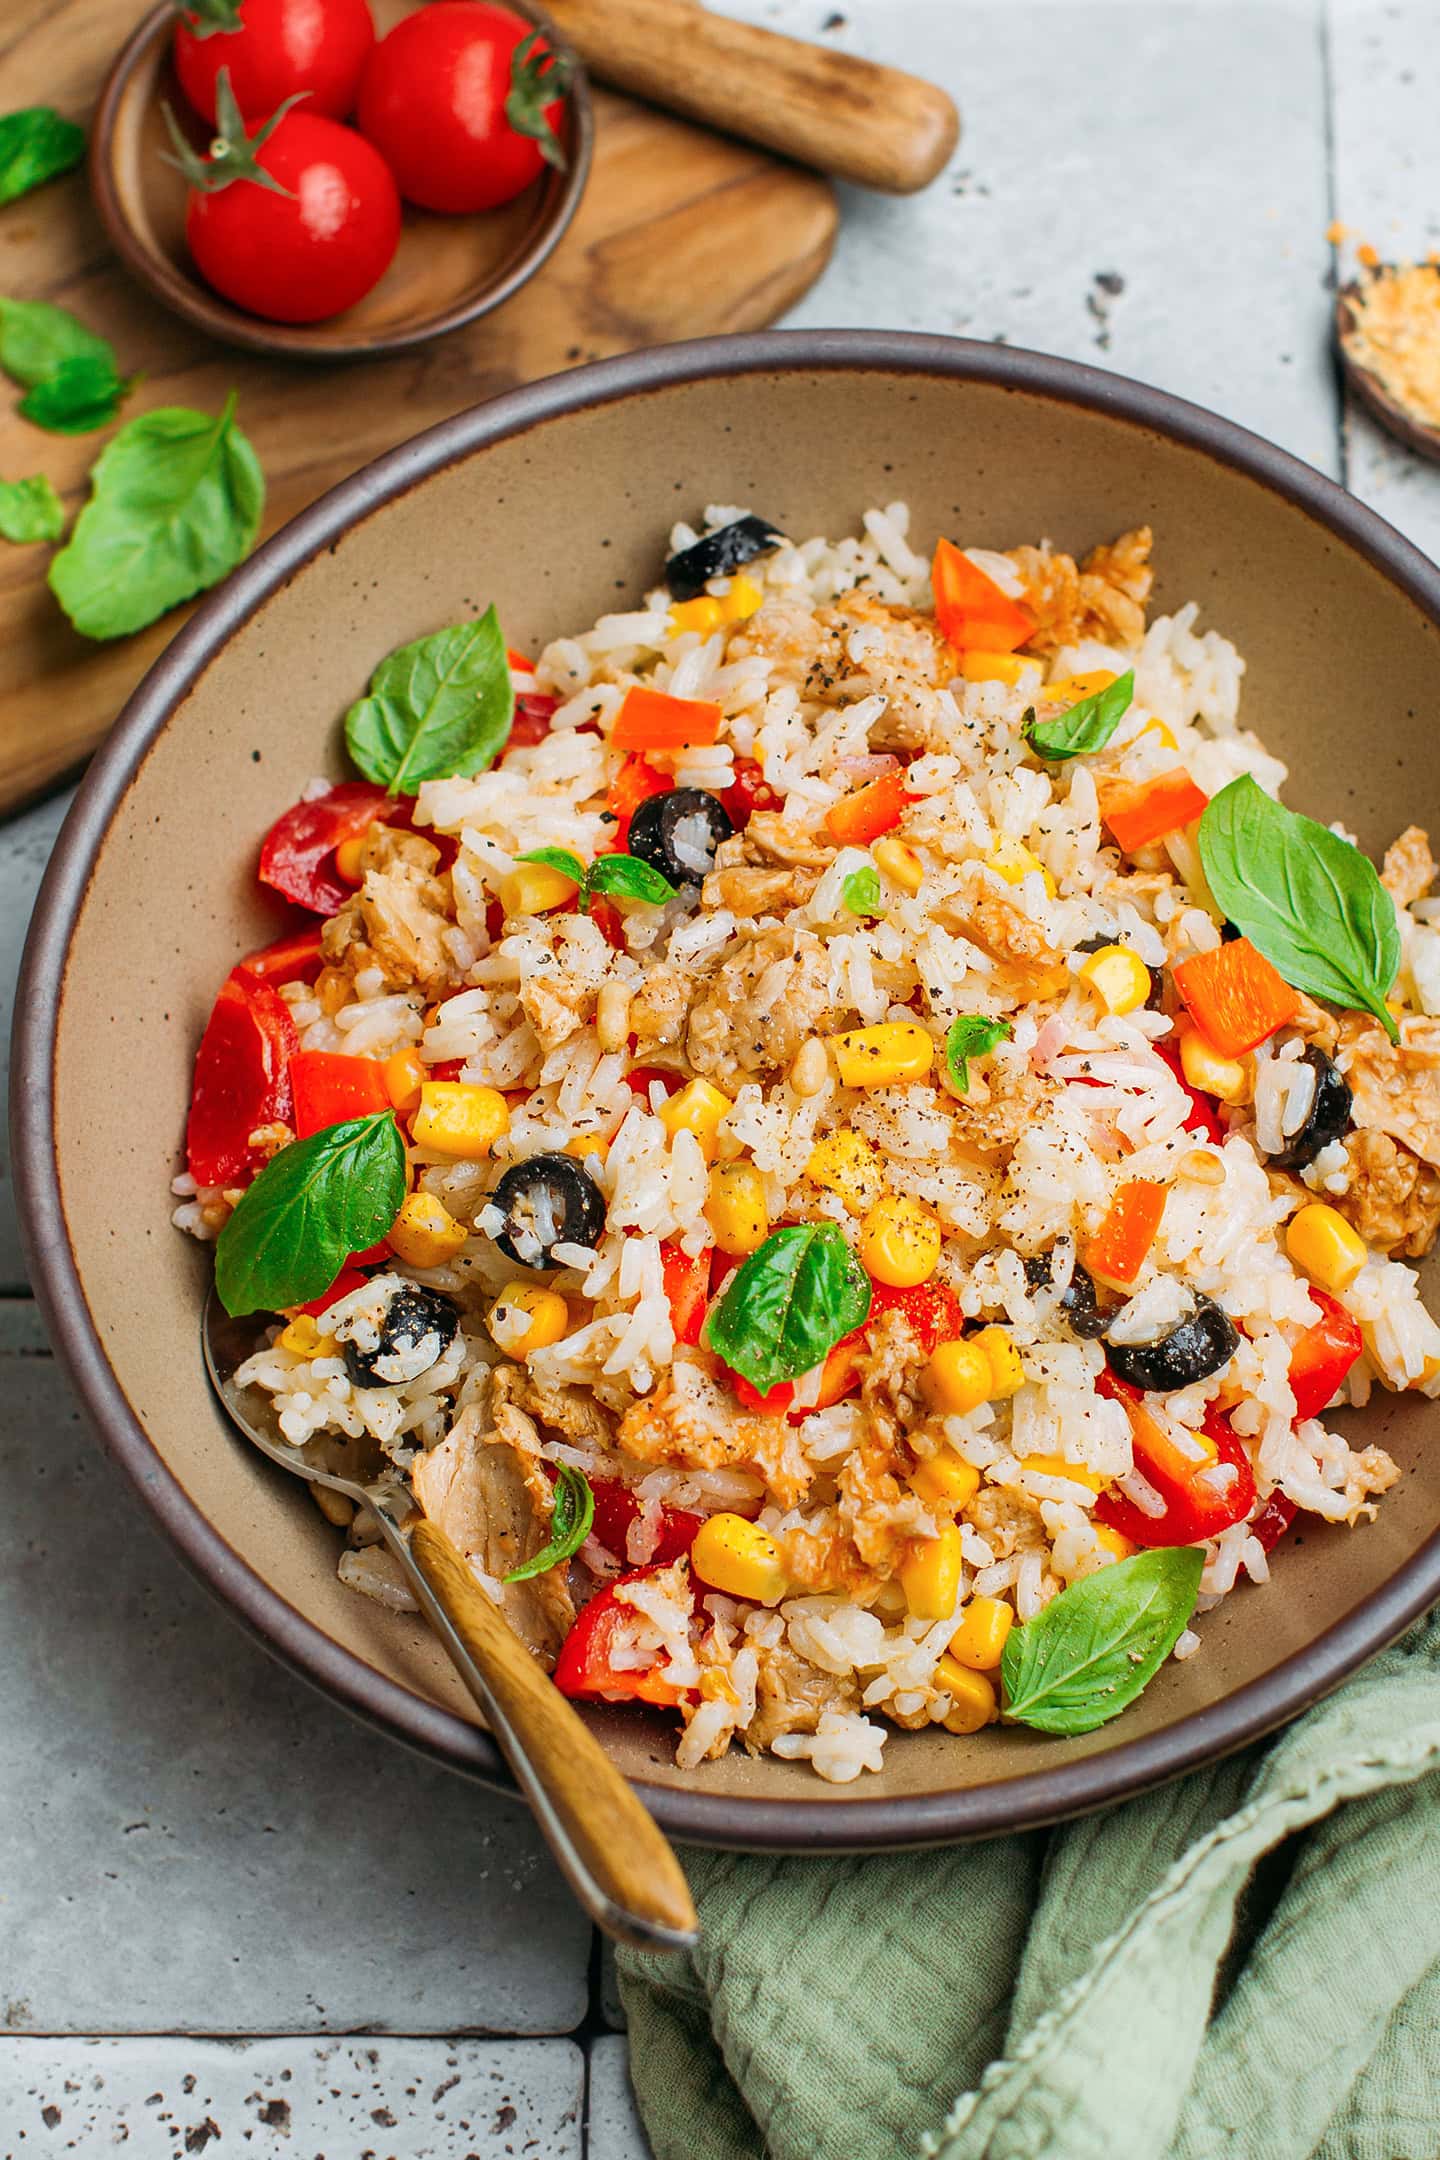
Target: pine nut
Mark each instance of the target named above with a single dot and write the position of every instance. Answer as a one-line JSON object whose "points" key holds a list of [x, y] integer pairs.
{"points": [[807, 1074], [612, 1016]]}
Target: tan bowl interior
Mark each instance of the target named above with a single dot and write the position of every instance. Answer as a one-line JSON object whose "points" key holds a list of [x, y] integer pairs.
{"points": [[556, 525]]}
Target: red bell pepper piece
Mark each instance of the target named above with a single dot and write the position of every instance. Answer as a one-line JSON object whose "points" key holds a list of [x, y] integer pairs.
{"points": [[292, 959], [971, 609], [348, 1279], [749, 792], [1195, 1509], [686, 1280], [639, 1078], [774, 1404], [1141, 811], [1273, 1521], [867, 812], [616, 1507], [635, 783], [653, 720], [1116, 1253], [1204, 1116], [1323, 1355], [242, 1080], [531, 723], [584, 1666], [297, 855], [1234, 996], [330, 1087]]}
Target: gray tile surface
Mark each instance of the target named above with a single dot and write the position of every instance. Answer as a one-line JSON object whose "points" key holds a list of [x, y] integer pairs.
{"points": [[615, 2131]]}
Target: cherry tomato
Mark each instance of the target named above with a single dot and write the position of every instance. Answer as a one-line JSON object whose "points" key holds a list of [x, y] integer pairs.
{"points": [[456, 109], [932, 1309], [1195, 1509], [531, 724], [310, 252], [635, 783], [686, 1281], [584, 1665], [1204, 1117], [1273, 1521], [242, 1080], [274, 49], [616, 1507], [291, 959], [1324, 1354], [750, 791], [347, 1280], [297, 855]]}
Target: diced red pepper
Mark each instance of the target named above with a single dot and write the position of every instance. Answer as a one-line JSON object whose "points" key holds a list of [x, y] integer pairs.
{"points": [[291, 959], [1116, 1253], [932, 1309], [297, 856], [686, 1280], [242, 1080], [1273, 1521], [749, 792], [1195, 1507], [1323, 1356], [774, 1404], [640, 1077], [970, 607], [607, 917], [1234, 996], [653, 720], [584, 1666], [347, 1280], [1203, 1117], [635, 783], [330, 1087], [869, 811], [531, 722], [1139, 812], [447, 1069], [616, 1507]]}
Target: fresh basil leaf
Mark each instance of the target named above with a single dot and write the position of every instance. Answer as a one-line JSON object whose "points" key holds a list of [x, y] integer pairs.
{"points": [[30, 510], [561, 859], [312, 1205], [1086, 727], [1092, 1650], [79, 395], [439, 709], [36, 337], [36, 145], [1305, 898], [971, 1035], [625, 877], [175, 504], [570, 1520], [788, 1305], [861, 892]]}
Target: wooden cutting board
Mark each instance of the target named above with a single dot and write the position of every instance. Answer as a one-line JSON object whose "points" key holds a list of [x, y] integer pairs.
{"points": [[680, 233]]}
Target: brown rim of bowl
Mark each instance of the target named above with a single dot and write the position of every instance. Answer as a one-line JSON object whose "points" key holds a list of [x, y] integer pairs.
{"points": [[207, 311], [1395, 418], [1015, 1803]]}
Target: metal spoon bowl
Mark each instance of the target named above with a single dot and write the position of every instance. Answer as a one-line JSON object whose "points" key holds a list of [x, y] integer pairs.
{"points": [[617, 1862]]}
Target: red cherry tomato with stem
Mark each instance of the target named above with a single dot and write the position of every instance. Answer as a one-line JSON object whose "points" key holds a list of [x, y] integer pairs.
{"points": [[273, 50]]}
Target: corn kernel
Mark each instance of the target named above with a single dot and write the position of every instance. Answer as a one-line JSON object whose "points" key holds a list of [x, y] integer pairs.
{"points": [[1323, 1246], [459, 1120], [740, 1559], [844, 1162], [704, 615], [930, 1577], [302, 1338], [1070, 689], [889, 1055], [900, 1242], [582, 1145], [1212, 1073], [980, 1638], [1056, 1466], [742, 600], [973, 1703], [736, 1209], [945, 1481], [403, 1076], [957, 1378], [1013, 861], [425, 1234], [1162, 734], [1007, 1374], [697, 1108], [348, 864], [898, 862], [977, 665], [533, 888], [1113, 1542], [527, 1317], [1118, 977]]}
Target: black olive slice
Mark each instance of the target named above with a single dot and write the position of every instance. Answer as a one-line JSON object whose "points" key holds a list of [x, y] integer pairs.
{"points": [[1078, 1302], [547, 1200], [1197, 1346], [416, 1326], [1328, 1118], [678, 833], [688, 573]]}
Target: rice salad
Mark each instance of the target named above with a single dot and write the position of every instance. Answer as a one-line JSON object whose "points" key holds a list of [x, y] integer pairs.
{"points": [[838, 1165]]}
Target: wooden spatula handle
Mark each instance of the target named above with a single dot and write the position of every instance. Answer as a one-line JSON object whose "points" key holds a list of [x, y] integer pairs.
{"points": [[616, 1859], [847, 116]]}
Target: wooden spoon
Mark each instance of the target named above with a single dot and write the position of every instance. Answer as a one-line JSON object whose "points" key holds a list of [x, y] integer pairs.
{"points": [[611, 1853], [1392, 414], [863, 122]]}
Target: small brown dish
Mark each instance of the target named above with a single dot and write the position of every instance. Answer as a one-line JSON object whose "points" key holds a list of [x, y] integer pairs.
{"points": [[1393, 415], [447, 270]]}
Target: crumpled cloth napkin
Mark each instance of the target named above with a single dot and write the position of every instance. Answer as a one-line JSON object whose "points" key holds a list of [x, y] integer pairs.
{"points": [[1244, 1964]]}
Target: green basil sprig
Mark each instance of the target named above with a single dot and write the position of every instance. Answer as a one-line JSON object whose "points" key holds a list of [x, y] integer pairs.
{"points": [[861, 892], [439, 709], [1093, 1649], [30, 510], [36, 145], [570, 1519], [71, 373], [315, 1203], [1305, 898], [971, 1035], [1086, 727], [625, 877], [175, 504], [789, 1304]]}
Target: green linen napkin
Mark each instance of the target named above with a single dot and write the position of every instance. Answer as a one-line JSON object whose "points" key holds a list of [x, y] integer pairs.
{"points": [[1244, 1964]]}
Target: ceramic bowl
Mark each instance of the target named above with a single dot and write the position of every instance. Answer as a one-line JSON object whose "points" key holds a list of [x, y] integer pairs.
{"points": [[554, 501], [447, 270]]}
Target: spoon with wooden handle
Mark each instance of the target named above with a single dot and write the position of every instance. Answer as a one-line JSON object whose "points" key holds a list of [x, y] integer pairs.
{"points": [[863, 122], [611, 1852]]}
